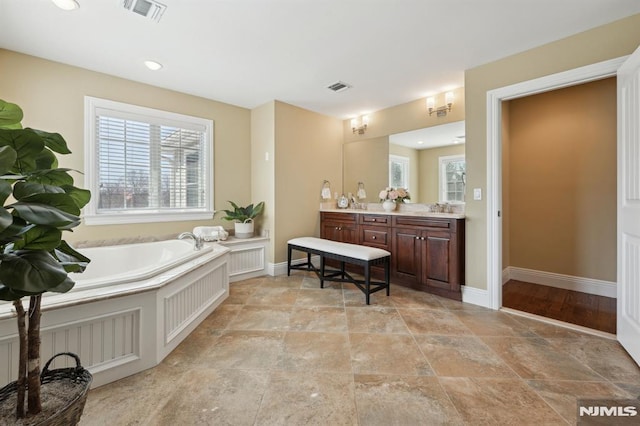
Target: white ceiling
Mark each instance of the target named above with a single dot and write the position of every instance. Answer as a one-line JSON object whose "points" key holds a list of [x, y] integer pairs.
{"points": [[249, 52], [431, 137]]}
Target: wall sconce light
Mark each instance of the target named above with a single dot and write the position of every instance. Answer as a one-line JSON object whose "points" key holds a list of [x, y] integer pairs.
{"points": [[360, 124], [361, 193], [440, 111], [326, 190]]}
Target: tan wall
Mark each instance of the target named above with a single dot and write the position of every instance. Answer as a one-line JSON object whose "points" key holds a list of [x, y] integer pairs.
{"points": [[562, 183], [263, 170], [367, 162], [405, 117], [52, 97], [429, 170], [606, 42], [308, 150], [414, 167], [506, 173]]}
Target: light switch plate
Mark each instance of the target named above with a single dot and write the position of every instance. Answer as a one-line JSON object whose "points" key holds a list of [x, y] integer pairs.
{"points": [[477, 194]]}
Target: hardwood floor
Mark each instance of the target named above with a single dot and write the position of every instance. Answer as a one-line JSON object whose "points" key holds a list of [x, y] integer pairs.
{"points": [[574, 307]]}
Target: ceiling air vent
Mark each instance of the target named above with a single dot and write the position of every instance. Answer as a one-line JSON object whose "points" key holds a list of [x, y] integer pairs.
{"points": [[339, 86], [147, 8]]}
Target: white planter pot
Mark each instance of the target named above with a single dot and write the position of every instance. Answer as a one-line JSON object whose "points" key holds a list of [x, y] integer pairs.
{"points": [[244, 230], [388, 205]]}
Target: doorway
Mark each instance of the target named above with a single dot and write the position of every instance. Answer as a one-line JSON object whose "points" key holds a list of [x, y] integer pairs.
{"points": [[559, 204]]}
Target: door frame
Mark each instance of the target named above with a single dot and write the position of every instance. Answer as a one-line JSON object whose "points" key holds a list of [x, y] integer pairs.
{"points": [[495, 97]]}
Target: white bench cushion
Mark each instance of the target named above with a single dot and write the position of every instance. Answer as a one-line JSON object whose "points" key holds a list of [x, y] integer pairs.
{"points": [[341, 249]]}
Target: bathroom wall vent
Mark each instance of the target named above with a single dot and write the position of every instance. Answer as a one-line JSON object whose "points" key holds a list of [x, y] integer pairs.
{"points": [[148, 8], [339, 86]]}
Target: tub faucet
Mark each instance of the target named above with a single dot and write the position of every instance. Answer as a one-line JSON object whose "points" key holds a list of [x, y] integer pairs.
{"points": [[197, 241]]}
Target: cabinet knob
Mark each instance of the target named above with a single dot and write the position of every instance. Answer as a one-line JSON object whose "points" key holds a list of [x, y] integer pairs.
{"points": [[417, 238], [373, 238], [374, 219]]}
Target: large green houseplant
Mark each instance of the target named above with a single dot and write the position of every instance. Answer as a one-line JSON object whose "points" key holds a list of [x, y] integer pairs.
{"points": [[243, 217], [40, 202]]}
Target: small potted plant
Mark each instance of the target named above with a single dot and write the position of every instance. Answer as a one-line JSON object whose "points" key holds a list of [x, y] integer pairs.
{"points": [[39, 204], [243, 217]]}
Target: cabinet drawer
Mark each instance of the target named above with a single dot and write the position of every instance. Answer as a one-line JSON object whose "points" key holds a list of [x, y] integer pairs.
{"points": [[423, 222], [375, 219], [375, 236], [338, 217]]}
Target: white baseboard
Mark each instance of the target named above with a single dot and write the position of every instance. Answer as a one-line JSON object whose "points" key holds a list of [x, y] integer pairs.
{"points": [[275, 269], [476, 296], [567, 282]]}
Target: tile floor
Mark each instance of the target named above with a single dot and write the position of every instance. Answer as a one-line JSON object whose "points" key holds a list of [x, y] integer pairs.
{"points": [[282, 351]]}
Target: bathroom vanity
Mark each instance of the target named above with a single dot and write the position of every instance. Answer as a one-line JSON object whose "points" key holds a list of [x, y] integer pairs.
{"points": [[427, 249]]}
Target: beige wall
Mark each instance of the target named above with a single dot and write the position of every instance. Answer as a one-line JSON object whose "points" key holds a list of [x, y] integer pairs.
{"points": [[263, 170], [506, 173], [52, 97], [609, 41], [562, 182], [429, 170], [308, 150], [408, 116], [366, 161]]}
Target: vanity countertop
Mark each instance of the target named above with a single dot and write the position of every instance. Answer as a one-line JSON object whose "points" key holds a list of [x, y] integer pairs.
{"points": [[398, 213]]}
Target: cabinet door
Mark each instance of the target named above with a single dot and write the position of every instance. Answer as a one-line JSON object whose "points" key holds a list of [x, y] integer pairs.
{"points": [[406, 256], [437, 261], [338, 231], [375, 236]]}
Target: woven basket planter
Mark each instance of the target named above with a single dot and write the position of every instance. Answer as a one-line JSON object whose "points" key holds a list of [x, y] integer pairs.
{"points": [[71, 412]]}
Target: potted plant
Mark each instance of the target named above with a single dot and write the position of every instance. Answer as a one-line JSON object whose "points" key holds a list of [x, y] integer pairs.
{"points": [[244, 218], [40, 202]]}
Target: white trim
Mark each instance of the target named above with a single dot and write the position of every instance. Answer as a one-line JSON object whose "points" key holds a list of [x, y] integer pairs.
{"points": [[567, 282], [476, 296], [494, 153], [275, 269], [558, 323]]}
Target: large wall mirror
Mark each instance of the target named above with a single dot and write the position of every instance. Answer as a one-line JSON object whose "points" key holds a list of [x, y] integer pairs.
{"points": [[429, 161]]}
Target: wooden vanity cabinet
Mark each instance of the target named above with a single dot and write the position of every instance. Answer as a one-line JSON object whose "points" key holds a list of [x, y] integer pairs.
{"points": [[341, 227], [428, 254]]}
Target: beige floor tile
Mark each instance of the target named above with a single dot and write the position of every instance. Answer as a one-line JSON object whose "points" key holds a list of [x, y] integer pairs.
{"points": [[547, 330], [353, 296], [492, 323], [563, 395], [308, 399], [403, 400], [605, 356], [318, 318], [258, 317], [483, 401], [462, 356], [535, 358], [221, 317], [320, 297], [214, 397], [273, 296], [387, 354], [433, 321], [375, 319], [245, 349], [407, 298], [315, 351], [240, 292]]}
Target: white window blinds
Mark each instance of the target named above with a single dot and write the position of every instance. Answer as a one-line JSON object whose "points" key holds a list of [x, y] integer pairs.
{"points": [[147, 163]]}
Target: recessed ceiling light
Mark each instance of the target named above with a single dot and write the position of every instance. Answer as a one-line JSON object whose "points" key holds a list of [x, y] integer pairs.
{"points": [[66, 4], [153, 65]]}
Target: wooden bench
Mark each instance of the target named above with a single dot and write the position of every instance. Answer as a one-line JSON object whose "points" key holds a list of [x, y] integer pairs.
{"points": [[344, 253]]}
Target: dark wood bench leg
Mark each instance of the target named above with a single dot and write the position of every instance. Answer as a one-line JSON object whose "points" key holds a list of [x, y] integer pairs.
{"points": [[366, 281], [289, 260], [386, 274], [308, 261], [321, 271]]}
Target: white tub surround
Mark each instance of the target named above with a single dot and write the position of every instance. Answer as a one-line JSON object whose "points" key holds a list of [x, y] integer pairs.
{"points": [[131, 321], [247, 257]]}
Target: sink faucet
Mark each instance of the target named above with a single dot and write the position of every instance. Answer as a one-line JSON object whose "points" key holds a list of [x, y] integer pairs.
{"points": [[197, 241]]}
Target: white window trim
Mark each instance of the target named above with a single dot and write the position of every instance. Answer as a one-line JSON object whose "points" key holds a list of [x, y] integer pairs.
{"points": [[407, 164], [442, 161], [91, 215]]}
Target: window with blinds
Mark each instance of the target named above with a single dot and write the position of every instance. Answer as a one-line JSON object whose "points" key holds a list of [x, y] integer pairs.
{"points": [[147, 165]]}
